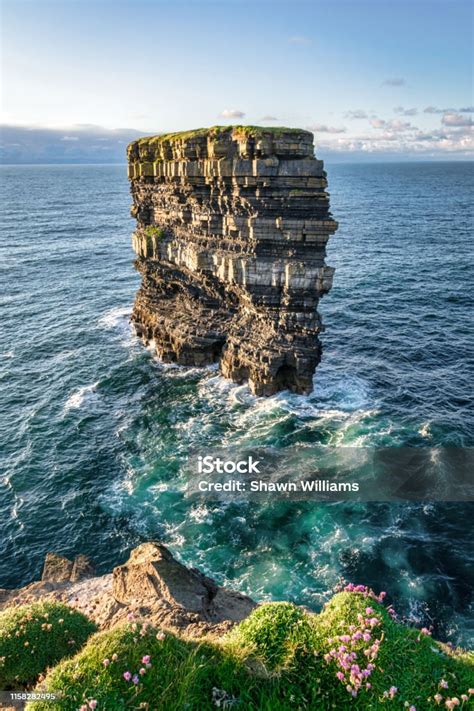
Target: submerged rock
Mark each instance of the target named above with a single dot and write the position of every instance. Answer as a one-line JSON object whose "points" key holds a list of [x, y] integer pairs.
{"points": [[232, 226], [56, 569]]}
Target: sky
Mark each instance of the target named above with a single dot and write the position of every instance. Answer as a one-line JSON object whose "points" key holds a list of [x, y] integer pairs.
{"points": [[371, 78]]}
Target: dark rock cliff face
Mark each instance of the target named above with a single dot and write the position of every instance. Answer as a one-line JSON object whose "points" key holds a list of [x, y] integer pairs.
{"points": [[232, 226]]}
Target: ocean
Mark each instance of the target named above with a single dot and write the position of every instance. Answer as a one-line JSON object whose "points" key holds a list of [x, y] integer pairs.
{"points": [[94, 430]]}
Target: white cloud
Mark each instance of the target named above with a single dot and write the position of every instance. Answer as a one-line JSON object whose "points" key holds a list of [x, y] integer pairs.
{"points": [[322, 128], [357, 114], [457, 141], [300, 39], [232, 113], [405, 112], [394, 81], [70, 138], [395, 126], [269, 118], [455, 119], [378, 123], [436, 110]]}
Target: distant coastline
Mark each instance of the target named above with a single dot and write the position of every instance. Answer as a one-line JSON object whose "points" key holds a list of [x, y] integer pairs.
{"points": [[86, 144]]}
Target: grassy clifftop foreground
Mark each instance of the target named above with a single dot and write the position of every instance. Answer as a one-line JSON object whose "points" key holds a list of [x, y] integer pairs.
{"points": [[353, 655]]}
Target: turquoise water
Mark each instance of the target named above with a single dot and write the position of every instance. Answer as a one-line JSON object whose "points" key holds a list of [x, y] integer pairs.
{"points": [[95, 431]]}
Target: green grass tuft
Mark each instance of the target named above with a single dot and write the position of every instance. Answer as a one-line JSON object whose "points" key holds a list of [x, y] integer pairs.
{"points": [[34, 637], [275, 632], [154, 233]]}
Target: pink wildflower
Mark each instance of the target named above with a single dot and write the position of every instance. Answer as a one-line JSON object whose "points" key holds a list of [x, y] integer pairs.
{"points": [[142, 671], [443, 684], [369, 611], [127, 676], [106, 662], [92, 704], [146, 659]]}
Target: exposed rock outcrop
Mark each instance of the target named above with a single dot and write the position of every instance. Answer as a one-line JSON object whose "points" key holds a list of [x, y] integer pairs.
{"points": [[152, 583], [232, 226], [58, 569]]}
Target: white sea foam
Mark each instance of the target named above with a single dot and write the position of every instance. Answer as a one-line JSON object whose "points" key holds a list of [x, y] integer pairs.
{"points": [[85, 394], [424, 430], [117, 317], [241, 395], [173, 537], [184, 371], [200, 514], [117, 320]]}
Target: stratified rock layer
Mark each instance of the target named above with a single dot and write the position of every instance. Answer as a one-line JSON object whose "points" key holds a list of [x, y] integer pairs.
{"points": [[232, 226]]}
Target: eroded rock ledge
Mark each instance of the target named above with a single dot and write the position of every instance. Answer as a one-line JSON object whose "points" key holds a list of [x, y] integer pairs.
{"points": [[151, 584], [232, 226]]}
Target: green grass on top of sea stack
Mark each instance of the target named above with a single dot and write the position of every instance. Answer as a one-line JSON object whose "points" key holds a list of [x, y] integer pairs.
{"points": [[216, 131], [351, 656]]}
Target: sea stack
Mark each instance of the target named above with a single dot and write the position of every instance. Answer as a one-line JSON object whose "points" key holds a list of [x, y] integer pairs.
{"points": [[232, 226]]}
